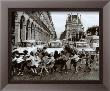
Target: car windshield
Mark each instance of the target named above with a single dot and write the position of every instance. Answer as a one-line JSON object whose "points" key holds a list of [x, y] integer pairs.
{"points": [[54, 45], [95, 41], [25, 44], [82, 45]]}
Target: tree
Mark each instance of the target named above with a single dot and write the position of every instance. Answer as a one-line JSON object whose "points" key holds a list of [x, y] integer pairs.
{"points": [[63, 35], [93, 30], [55, 36]]}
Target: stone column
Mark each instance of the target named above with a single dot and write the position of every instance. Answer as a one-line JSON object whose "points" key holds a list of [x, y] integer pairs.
{"points": [[23, 32], [17, 30], [32, 36], [35, 33], [29, 33], [38, 36]]}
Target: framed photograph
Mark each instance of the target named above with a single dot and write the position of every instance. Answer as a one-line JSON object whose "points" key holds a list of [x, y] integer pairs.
{"points": [[51, 45]]}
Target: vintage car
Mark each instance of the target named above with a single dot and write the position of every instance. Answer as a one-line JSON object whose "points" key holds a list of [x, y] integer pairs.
{"points": [[28, 45], [79, 46], [40, 44], [54, 46], [94, 42]]}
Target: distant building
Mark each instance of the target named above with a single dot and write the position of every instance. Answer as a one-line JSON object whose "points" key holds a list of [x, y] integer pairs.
{"points": [[74, 28], [32, 25]]}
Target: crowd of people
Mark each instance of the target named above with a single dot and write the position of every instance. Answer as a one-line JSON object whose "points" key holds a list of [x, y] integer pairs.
{"points": [[42, 62]]}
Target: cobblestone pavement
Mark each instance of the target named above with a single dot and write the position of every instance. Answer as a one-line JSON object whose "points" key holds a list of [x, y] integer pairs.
{"points": [[71, 75]]}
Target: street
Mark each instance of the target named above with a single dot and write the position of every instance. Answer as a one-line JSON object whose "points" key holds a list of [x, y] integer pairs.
{"points": [[71, 75], [41, 50]]}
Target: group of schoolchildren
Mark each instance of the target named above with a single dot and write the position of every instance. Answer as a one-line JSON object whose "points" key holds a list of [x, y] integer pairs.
{"points": [[42, 62], [34, 62]]}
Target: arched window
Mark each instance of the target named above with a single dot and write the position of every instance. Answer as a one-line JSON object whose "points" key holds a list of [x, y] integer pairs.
{"points": [[22, 20], [27, 28], [35, 32], [32, 28]]}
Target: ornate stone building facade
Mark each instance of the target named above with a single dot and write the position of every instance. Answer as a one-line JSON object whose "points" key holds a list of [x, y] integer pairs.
{"points": [[32, 25], [73, 28]]}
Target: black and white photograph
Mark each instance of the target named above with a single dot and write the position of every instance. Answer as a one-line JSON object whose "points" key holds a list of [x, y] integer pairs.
{"points": [[54, 45]]}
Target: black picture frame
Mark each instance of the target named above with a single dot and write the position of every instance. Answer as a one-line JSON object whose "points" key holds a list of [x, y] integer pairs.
{"points": [[100, 81]]}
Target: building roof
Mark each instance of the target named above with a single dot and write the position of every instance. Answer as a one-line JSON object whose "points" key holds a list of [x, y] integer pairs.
{"points": [[74, 17]]}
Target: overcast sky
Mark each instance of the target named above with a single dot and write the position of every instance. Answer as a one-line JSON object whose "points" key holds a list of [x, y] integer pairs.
{"points": [[88, 19]]}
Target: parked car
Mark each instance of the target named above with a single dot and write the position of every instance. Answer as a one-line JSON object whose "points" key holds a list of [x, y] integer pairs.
{"points": [[28, 45], [54, 46], [79, 46], [94, 42], [40, 44]]}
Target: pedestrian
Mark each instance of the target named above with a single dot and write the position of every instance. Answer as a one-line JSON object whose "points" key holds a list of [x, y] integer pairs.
{"points": [[87, 65], [44, 50], [19, 64], [24, 63], [67, 48], [82, 56], [63, 60], [96, 62], [32, 62], [51, 61], [56, 57], [44, 61], [14, 63], [74, 60]]}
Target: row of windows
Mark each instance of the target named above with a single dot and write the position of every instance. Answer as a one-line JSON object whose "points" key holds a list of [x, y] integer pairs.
{"points": [[26, 26]]}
